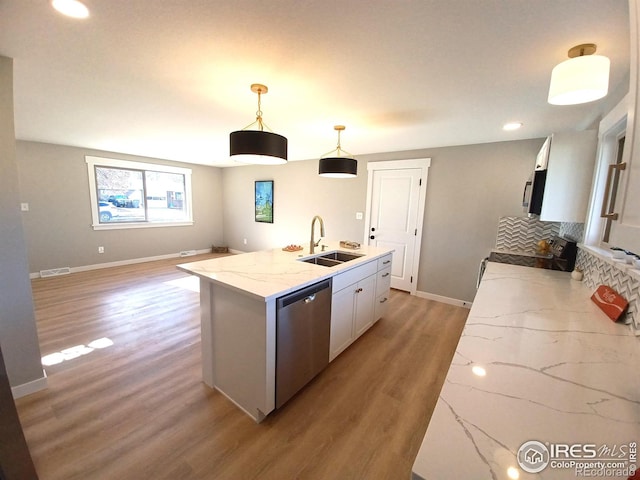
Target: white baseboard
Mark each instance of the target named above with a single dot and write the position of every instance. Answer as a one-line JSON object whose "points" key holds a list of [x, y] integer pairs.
{"points": [[442, 299], [30, 387], [119, 263]]}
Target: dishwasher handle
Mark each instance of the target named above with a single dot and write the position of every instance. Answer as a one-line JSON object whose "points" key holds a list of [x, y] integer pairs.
{"points": [[305, 294]]}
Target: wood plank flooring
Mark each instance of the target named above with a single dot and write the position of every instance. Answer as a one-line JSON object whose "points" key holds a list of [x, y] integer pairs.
{"points": [[139, 410]]}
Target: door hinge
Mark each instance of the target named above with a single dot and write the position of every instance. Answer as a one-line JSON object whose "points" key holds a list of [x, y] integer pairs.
{"points": [[411, 281], [415, 232], [420, 183]]}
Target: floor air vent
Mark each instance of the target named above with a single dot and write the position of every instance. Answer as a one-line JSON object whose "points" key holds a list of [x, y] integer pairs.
{"points": [[53, 272]]}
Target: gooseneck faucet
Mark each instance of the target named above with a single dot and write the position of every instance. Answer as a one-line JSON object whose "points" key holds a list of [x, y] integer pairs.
{"points": [[313, 244]]}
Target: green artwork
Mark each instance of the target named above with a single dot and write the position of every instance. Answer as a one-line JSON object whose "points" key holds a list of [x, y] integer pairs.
{"points": [[264, 201]]}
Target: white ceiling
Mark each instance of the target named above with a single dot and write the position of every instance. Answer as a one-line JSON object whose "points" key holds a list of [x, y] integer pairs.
{"points": [[171, 79]]}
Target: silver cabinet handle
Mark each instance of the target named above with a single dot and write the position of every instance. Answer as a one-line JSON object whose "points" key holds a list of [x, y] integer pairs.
{"points": [[310, 298], [384, 300], [385, 275], [386, 261], [605, 213]]}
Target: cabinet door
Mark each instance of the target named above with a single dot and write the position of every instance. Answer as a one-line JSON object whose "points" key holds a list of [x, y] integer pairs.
{"points": [[364, 310], [570, 170], [342, 306], [625, 231], [382, 305]]}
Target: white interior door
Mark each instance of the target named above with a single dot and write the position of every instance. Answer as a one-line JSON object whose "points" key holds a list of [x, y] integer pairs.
{"points": [[395, 210]]}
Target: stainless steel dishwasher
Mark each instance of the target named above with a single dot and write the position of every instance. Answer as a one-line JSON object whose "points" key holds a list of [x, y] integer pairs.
{"points": [[303, 328]]}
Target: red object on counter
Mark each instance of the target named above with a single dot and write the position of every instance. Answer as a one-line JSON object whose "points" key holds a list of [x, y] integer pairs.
{"points": [[610, 302]]}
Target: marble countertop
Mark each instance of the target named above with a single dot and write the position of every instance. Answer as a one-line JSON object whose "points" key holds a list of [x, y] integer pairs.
{"points": [[269, 274], [557, 372]]}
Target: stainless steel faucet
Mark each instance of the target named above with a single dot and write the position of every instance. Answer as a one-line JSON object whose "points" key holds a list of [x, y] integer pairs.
{"points": [[313, 244]]}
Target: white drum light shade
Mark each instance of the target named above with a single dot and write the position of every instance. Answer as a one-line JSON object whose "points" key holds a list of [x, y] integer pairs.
{"points": [[579, 80]]}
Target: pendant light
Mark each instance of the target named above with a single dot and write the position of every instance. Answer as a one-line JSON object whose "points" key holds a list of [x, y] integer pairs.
{"points": [[581, 79], [334, 166], [257, 146]]}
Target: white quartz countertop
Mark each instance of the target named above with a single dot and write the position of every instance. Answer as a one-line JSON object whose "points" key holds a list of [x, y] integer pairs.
{"points": [[558, 371], [269, 274]]}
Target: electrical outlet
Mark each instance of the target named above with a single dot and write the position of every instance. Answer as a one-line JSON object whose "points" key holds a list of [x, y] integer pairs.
{"points": [[358, 215], [244, 241], [24, 207], [100, 249]]}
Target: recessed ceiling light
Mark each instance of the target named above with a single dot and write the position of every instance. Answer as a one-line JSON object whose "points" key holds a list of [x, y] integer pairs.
{"points": [[512, 126], [478, 370], [71, 8]]}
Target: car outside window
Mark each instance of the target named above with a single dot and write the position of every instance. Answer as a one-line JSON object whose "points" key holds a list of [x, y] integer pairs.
{"points": [[127, 194]]}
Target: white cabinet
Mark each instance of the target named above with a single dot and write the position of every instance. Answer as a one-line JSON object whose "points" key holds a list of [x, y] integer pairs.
{"points": [[383, 286], [569, 175], [364, 306], [359, 299], [625, 230]]}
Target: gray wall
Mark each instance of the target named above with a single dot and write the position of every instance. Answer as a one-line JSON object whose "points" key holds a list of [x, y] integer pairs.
{"points": [[54, 181], [299, 194], [18, 334], [469, 189]]}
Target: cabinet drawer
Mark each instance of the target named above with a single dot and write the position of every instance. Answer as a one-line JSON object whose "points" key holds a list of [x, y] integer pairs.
{"points": [[384, 262], [381, 306], [354, 275], [383, 281]]}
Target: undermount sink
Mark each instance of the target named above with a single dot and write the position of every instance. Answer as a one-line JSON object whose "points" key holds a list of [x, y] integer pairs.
{"points": [[332, 259]]}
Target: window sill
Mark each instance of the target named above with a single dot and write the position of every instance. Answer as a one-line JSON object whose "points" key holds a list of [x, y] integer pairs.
{"points": [[124, 226], [607, 257]]}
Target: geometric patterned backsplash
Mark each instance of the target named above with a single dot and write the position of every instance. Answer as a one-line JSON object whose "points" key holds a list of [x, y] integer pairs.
{"points": [[522, 234], [598, 272], [572, 231]]}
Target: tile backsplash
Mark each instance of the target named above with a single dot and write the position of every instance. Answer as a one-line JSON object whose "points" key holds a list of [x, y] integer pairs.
{"points": [[598, 271], [522, 234]]}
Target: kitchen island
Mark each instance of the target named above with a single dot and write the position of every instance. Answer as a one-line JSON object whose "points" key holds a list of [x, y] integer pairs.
{"points": [[238, 297], [537, 362]]}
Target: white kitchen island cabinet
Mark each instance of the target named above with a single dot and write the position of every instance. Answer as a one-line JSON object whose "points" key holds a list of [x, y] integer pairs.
{"points": [[358, 301], [238, 314]]}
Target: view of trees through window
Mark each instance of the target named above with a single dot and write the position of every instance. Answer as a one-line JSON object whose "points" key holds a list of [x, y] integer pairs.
{"points": [[129, 195]]}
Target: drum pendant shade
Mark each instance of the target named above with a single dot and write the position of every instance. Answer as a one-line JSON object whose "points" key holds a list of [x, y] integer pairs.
{"points": [[257, 146], [336, 166]]}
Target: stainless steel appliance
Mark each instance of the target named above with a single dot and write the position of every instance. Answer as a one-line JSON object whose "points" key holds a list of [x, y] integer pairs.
{"points": [[561, 256], [303, 327]]}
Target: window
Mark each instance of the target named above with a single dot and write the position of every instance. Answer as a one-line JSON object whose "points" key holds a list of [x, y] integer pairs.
{"points": [[133, 194]]}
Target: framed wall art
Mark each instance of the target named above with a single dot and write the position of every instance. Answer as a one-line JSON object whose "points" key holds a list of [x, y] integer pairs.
{"points": [[264, 201]]}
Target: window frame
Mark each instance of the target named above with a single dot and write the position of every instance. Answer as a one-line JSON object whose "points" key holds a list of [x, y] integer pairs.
{"points": [[93, 162], [612, 127]]}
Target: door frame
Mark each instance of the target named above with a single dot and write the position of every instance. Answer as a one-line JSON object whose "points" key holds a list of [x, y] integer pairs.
{"points": [[423, 164]]}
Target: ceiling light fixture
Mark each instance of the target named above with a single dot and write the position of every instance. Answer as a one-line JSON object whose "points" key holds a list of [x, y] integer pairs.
{"points": [[257, 146], [581, 79], [512, 126], [335, 166], [71, 8]]}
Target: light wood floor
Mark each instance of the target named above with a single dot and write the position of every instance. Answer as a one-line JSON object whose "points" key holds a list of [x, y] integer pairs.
{"points": [[139, 410]]}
